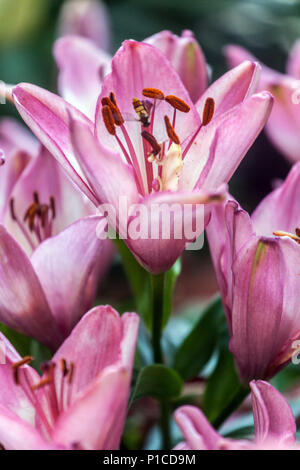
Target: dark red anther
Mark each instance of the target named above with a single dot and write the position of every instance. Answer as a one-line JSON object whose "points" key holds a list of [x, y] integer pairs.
{"points": [[177, 103], [208, 111], [108, 120], [53, 207], [171, 132], [156, 148], [12, 209], [153, 93]]}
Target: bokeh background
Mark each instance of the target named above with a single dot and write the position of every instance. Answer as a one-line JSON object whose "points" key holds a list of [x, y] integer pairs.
{"points": [[267, 28]]}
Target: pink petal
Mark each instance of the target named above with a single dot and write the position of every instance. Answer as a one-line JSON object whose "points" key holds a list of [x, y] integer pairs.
{"points": [[197, 431], [258, 301], [69, 267], [273, 417], [81, 65], [159, 229], [16, 434], [279, 210], [233, 140], [232, 88], [99, 340], [293, 64], [87, 18], [93, 421], [47, 116], [23, 305], [284, 123], [14, 136], [186, 57], [108, 175]]}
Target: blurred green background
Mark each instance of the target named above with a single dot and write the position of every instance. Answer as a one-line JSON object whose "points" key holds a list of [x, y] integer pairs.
{"points": [[267, 28]]}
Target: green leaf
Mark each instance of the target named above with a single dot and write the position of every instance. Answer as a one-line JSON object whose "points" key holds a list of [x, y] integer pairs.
{"points": [[169, 284], [198, 347], [158, 381], [21, 343], [224, 392]]}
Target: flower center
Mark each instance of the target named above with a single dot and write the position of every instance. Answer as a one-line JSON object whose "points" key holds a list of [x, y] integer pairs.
{"points": [[58, 395], [163, 161], [37, 222]]}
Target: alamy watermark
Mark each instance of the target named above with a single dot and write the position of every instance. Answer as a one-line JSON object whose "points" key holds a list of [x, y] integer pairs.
{"points": [[154, 221]]}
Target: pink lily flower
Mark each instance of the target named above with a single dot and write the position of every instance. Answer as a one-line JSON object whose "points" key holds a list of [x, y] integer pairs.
{"points": [[274, 425], [86, 18], [283, 126], [46, 237], [149, 142], [81, 399], [257, 265]]}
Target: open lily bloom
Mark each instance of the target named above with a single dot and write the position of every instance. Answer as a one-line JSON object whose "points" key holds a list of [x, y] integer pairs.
{"points": [[149, 143], [283, 126], [80, 401], [46, 238], [257, 265], [274, 424]]}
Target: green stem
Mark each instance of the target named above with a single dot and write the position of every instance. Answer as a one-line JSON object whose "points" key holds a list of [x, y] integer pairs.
{"points": [[157, 284], [240, 395]]}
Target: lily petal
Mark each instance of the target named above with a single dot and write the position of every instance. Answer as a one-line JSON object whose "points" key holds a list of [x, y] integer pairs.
{"points": [[99, 340], [69, 267], [186, 57], [23, 305], [47, 116], [278, 210], [101, 407], [232, 143], [232, 88], [16, 434], [293, 64], [197, 431], [82, 67], [273, 417], [258, 302]]}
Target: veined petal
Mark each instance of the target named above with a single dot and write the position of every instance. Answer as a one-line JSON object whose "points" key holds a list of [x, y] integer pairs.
{"points": [[258, 302], [47, 116], [186, 57], [16, 434], [23, 305], [232, 88], [279, 210], [14, 136], [284, 122], [108, 175], [159, 228], [293, 64], [100, 408], [99, 340], [197, 431], [273, 417], [69, 267], [233, 140], [82, 67]]}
